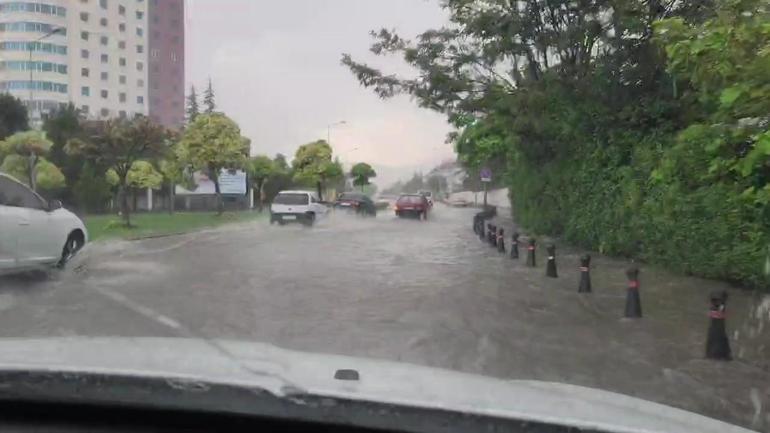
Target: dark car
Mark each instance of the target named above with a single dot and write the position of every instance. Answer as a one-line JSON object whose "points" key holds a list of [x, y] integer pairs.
{"points": [[355, 202], [415, 205]]}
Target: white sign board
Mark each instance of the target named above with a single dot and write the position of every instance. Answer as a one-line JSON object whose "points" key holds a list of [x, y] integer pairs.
{"points": [[228, 184], [232, 182]]}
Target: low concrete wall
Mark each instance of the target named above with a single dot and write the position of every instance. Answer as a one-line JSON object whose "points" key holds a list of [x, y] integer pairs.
{"points": [[495, 197]]}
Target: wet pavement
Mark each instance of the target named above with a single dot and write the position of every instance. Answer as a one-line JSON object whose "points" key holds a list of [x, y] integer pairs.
{"points": [[421, 292]]}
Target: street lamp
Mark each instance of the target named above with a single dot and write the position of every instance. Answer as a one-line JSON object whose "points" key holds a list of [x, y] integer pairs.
{"points": [[32, 69], [329, 130]]}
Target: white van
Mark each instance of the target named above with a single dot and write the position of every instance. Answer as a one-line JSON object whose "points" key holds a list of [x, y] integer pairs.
{"points": [[296, 206]]}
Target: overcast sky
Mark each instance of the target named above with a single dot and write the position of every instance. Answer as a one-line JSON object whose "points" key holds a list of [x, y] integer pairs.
{"points": [[276, 70]]}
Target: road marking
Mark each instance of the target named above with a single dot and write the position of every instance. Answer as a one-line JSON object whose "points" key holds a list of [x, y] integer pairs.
{"points": [[141, 309]]}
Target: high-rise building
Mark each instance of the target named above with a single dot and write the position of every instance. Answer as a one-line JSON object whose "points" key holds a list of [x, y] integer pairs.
{"points": [[93, 53], [166, 74]]}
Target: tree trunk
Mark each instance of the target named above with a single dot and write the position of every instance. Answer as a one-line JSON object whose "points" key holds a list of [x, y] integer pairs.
{"points": [[123, 198], [32, 163], [214, 175], [362, 187], [171, 200], [319, 187], [260, 185]]}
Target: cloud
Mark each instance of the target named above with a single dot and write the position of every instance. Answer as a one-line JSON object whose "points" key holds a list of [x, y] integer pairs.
{"points": [[276, 71]]}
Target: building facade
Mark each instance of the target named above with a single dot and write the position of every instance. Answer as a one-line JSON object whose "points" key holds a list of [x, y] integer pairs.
{"points": [[93, 53], [166, 59]]}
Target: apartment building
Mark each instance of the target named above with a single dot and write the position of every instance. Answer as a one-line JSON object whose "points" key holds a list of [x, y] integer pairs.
{"points": [[93, 53], [166, 59]]}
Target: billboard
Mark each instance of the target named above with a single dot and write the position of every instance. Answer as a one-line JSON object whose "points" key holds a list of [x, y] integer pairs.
{"points": [[232, 182]]}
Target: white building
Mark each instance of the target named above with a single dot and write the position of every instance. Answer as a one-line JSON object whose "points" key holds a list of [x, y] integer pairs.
{"points": [[92, 53]]}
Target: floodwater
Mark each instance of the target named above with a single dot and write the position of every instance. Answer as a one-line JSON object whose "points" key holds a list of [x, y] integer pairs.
{"points": [[428, 293]]}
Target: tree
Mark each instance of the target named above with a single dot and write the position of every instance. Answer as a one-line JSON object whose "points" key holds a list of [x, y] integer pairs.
{"points": [[13, 115], [211, 143], [208, 99], [118, 144], [193, 109], [280, 179], [48, 177], [313, 165], [437, 183], [141, 175], [60, 127], [91, 190], [259, 169], [361, 173], [25, 151], [415, 184]]}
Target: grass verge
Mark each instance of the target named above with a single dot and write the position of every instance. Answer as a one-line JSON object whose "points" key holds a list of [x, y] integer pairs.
{"points": [[158, 224]]}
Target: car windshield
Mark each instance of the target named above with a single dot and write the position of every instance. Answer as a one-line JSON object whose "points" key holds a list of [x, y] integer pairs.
{"points": [[534, 192], [290, 198]]}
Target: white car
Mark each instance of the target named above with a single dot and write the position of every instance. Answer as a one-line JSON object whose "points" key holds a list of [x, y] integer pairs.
{"points": [[34, 232], [296, 206]]}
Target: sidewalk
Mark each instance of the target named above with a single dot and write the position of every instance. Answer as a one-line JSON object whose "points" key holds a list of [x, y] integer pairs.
{"points": [[671, 334]]}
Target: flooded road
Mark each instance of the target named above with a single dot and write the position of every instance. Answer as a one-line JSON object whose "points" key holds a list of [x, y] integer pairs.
{"points": [[420, 292]]}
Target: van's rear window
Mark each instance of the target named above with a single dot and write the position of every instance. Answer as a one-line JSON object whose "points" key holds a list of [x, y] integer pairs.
{"points": [[295, 199]]}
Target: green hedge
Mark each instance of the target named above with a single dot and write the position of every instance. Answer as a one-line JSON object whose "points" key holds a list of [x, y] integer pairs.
{"points": [[617, 202]]}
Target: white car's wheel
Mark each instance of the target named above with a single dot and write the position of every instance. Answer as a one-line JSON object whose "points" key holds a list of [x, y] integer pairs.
{"points": [[71, 247]]}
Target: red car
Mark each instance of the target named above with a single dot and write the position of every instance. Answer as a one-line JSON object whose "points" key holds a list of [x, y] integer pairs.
{"points": [[412, 205]]}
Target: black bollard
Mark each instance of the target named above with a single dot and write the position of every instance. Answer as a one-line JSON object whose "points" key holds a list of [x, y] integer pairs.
{"points": [[501, 240], [717, 344], [476, 224], [482, 232], [515, 245], [531, 253], [489, 230], [550, 266], [585, 276], [493, 236], [633, 302]]}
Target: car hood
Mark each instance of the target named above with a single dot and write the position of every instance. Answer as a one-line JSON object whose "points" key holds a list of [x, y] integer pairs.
{"points": [[285, 372]]}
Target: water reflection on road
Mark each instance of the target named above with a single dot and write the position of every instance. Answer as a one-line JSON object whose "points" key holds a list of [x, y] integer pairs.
{"points": [[423, 292]]}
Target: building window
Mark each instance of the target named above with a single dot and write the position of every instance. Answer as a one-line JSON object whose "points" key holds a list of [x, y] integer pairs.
{"points": [[140, 83], [84, 36], [155, 68], [122, 114], [84, 17], [104, 40], [139, 15], [122, 79], [103, 4], [122, 27], [105, 58], [139, 31], [84, 72], [122, 61], [122, 45], [103, 22], [122, 10], [174, 57], [122, 97], [84, 109], [140, 49], [105, 94], [84, 54], [139, 66], [105, 76], [140, 100], [85, 91], [154, 52], [105, 112]]}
